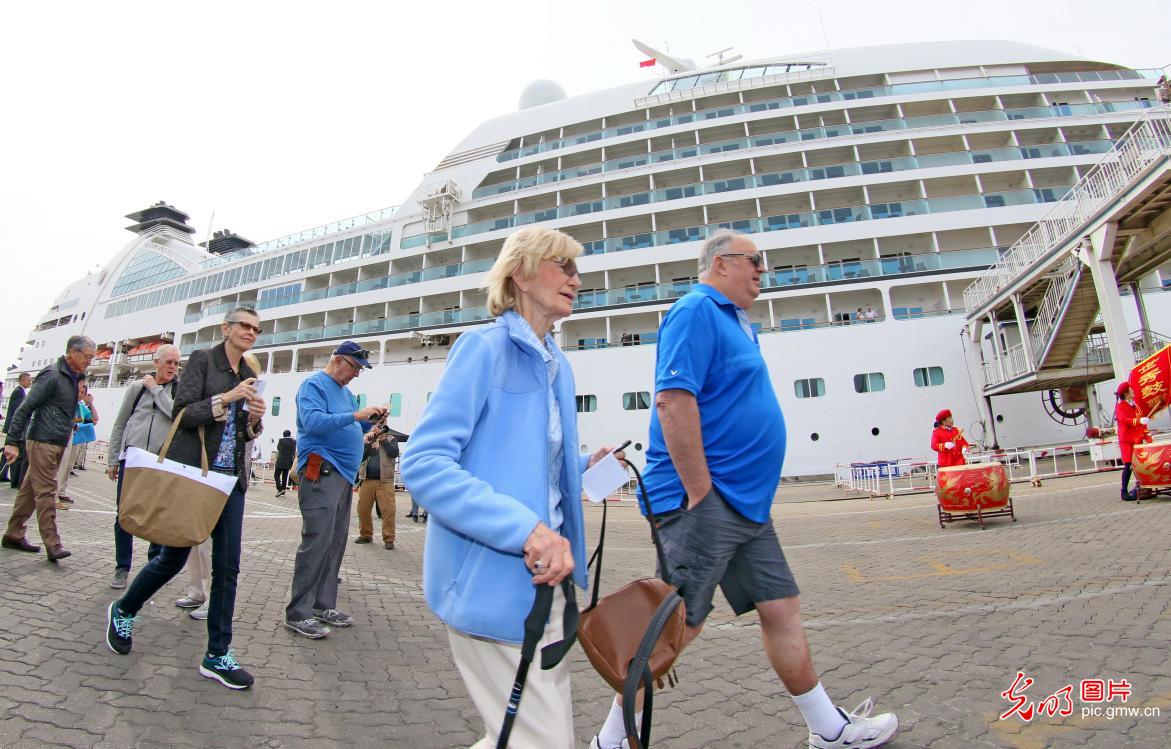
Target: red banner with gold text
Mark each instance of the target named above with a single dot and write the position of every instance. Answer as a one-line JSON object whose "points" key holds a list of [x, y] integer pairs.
{"points": [[1151, 382]]}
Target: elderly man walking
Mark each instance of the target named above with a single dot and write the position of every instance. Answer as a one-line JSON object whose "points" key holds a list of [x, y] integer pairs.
{"points": [[329, 450], [717, 443], [52, 401], [143, 422]]}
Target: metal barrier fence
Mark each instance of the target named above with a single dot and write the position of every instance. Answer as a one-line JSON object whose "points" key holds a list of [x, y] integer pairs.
{"points": [[1031, 464]]}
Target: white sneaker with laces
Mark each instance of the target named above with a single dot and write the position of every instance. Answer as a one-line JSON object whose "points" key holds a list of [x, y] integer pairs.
{"points": [[595, 745], [861, 731]]}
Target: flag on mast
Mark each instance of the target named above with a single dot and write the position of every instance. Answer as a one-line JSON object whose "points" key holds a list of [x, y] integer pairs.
{"points": [[647, 63]]}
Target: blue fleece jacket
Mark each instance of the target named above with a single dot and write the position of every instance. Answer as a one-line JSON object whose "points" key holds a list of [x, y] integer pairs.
{"points": [[326, 426], [478, 461]]}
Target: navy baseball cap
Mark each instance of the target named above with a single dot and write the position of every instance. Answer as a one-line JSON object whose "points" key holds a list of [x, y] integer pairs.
{"points": [[355, 352]]}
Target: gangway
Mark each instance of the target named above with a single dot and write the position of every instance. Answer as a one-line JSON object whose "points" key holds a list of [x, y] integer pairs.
{"points": [[1052, 300]]}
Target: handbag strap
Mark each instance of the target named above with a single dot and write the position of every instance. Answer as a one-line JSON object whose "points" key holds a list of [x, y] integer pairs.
{"points": [[640, 677], [171, 435], [551, 654], [650, 516]]}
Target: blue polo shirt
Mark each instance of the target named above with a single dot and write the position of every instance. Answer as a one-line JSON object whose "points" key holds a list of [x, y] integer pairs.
{"points": [[707, 347]]}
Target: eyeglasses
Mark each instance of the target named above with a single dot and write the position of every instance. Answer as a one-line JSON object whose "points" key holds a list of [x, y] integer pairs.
{"points": [[247, 326], [565, 265], [352, 363], [756, 258]]}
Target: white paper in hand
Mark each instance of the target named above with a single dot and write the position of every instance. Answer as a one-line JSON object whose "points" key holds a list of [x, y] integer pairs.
{"points": [[603, 478], [259, 385]]}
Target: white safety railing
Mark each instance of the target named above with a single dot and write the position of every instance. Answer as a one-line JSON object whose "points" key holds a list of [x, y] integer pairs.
{"points": [[1147, 141], [1031, 464], [1052, 307]]}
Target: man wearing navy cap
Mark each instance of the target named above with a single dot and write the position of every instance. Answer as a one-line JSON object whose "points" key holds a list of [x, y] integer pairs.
{"points": [[329, 449]]}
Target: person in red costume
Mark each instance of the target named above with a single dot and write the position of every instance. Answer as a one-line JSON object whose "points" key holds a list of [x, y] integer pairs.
{"points": [[948, 441], [1132, 430]]}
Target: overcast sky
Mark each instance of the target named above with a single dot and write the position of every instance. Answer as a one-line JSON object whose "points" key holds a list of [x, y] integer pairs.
{"points": [[281, 116]]}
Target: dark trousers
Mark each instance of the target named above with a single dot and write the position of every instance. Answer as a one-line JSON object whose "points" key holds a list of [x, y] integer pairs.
{"points": [[281, 476], [16, 470], [123, 541], [225, 568], [325, 521]]}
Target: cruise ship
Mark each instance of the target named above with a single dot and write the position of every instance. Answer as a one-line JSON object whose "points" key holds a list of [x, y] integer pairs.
{"points": [[881, 178]]}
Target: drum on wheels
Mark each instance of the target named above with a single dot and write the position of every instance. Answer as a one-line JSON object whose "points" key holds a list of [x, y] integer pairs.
{"points": [[973, 492], [1151, 463]]}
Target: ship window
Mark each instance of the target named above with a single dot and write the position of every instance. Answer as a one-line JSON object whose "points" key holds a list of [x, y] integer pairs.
{"points": [[587, 404], [396, 404], [869, 382], [147, 268], [361, 401], [276, 405], [636, 401], [814, 387], [928, 377]]}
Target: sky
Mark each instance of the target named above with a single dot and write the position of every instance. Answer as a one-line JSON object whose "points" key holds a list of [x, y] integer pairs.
{"points": [[276, 117]]}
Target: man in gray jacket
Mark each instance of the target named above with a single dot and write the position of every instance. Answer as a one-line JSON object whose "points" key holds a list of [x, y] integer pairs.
{"points": [[143, 422], [41, 429]]}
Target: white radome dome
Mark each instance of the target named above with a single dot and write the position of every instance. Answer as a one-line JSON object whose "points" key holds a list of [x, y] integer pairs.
{"points": [[541, 91]]}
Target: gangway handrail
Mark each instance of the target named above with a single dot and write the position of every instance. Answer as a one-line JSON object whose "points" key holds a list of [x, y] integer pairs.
{"points": [[1145, 142]]}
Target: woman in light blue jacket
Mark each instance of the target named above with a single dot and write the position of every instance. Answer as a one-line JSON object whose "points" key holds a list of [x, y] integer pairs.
{"points": [[495, 462]]}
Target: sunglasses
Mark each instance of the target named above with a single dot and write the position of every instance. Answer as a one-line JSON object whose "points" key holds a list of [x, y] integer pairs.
{"points": [[247, 326], [565, 265], [756, 258]]}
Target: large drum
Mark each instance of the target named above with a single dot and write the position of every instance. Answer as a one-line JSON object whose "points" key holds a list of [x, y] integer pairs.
{"points": [[973, 492], [1151, 463]]}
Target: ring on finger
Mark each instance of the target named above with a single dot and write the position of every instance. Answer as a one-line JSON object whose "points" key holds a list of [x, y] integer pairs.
{"points": [[538, 564]]}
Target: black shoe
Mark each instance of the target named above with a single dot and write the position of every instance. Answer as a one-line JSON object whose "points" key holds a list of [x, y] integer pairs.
{"points": [[20, 544], [119, 630], [362, 540], [226, 671], [57, 552]]}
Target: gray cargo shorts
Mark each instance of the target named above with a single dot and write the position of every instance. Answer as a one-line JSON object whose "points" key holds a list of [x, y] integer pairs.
{"points": [[712, 544]]}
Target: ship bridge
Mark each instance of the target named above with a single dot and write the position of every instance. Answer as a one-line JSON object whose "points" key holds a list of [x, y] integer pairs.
{"points": [[1049, 313]]}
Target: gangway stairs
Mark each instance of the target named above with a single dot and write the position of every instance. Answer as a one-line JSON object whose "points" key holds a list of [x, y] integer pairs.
{"points": [[1050, 307]]}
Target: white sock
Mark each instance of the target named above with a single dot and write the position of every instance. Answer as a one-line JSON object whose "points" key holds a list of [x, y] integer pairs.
{"points": [[614, 729], [819, 712]]}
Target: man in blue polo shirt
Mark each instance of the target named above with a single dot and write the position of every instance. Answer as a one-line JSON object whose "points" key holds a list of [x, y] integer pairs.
{"points": [[329, 449], [717, 443]]}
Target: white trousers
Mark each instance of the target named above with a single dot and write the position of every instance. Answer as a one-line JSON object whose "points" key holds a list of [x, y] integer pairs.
{"points": [[488, 667], [68, 458], [199, 569]]}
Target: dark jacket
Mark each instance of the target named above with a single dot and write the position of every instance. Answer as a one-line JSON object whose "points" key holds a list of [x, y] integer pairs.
{"points": [[14, 402], [48, 409], [286, 448], [208, 373]]}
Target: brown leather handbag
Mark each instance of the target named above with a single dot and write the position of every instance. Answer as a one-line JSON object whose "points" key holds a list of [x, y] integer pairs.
{"points": [[633, 636]]}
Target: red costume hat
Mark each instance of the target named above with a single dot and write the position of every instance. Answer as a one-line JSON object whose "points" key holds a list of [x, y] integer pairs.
{"points": [[944, 414], [1123, 389]]}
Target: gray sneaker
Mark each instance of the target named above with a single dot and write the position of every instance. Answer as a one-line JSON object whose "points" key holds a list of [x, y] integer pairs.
{"points": [[199, 613], [311, 628], [187, 602], [333, 617], [119, 579]]}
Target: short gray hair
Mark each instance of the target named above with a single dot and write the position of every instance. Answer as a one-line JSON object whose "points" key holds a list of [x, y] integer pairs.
{"points": [[79, 343], [715, 245], [163, 350], [233, 315]]}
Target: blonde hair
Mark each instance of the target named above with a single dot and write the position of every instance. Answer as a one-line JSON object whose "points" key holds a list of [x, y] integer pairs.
{"points": [[524, 250], [253, 363]]}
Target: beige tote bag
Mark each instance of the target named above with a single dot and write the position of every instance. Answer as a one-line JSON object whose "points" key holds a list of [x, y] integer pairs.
{"points": [[171, 503]]}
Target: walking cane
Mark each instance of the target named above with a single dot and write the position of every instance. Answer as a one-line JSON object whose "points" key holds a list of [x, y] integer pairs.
{"points": [[551, 654]]}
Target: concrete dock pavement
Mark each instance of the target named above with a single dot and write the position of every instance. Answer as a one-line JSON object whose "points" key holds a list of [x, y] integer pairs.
{"points": [[934, 623]]}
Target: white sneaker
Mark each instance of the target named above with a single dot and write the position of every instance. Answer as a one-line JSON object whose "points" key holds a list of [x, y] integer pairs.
{"points": [[861, 731], [595, 745], [199, 613]]}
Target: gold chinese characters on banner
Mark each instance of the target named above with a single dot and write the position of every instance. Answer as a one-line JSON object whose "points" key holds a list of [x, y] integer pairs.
{"points": [[1151, 382]]}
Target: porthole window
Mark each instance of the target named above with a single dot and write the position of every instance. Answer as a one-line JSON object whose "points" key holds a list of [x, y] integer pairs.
{"points": [[636, 401], [874, 431], [926, 377], [815, 436], [999, 418], [869, 382], [587, 404], [813, 387], [638, 447]]}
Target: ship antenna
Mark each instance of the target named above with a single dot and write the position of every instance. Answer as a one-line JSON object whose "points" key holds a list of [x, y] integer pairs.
{"points": [[824, 33]]}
